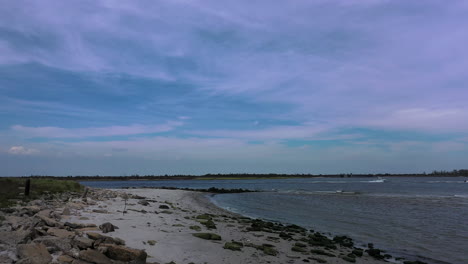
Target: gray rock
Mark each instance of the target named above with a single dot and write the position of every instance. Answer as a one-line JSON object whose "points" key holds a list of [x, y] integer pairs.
{"points": [[82, 242], [62, 233], [58, 244], [47, 220], [143, 202], [107, 227], [33, 253]]}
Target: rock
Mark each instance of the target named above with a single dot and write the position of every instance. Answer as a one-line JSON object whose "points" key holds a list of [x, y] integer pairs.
{"points": [[349, 259], [107, 227], [134, 256], [82, 242], [73, 225], [62, 233], [78, 261], [207, 236], [58, 244], [47, 220], [95, 236], [66, 211], [86, 229], [94, 256], [29, 210], [100, 211], [358, 252], [15, 222], [64, 259], [163, 206], [34, 253], [152, 242], [373, 252], [344, 241], [105, 239], [143, 202]]}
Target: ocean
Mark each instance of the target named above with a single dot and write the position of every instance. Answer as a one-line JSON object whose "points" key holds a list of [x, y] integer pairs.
{"points": [[407, 216]]}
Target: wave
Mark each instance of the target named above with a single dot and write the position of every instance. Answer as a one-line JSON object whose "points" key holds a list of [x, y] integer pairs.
{"points": [[304, 192], [447, 182], [370, 181]]}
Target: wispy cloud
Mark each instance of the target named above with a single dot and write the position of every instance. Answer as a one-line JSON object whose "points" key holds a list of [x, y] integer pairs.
{"points": [[20, 150], [58, 132]]}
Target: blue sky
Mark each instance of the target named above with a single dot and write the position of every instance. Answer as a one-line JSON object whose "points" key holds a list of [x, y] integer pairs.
{"points": [[193, 87]]}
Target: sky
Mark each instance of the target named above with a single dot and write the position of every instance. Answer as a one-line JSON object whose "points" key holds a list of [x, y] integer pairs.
{"points": [[104, 87]]}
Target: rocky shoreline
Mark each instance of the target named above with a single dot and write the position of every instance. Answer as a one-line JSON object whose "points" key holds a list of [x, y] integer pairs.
{"points": [[160, 226]]}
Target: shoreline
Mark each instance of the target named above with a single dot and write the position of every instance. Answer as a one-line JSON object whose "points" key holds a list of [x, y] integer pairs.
{"points": [[186, 206], [164, 226]]}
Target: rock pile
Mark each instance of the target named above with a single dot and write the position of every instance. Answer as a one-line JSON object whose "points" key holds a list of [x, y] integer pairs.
{"points": [[35, 234]]}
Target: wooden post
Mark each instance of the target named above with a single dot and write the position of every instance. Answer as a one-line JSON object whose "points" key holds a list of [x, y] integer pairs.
{"points": [[27, 187], [85, 193]]}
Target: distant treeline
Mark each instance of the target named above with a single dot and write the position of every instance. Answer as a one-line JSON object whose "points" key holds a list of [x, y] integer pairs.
{"points": [[453, 173]]}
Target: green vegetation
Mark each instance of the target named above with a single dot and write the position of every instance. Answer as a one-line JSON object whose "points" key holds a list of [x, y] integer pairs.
{"points": [[207, 236], [12, 189], [234, 245], [195, 227]]}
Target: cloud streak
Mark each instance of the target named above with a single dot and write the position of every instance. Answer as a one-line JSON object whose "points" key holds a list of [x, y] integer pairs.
{"points": [[58, 132]]}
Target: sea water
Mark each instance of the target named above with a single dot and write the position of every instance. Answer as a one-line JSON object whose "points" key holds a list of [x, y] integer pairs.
{"points": [[407, 216]]}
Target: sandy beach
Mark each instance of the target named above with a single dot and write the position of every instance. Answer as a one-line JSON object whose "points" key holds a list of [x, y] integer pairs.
{"points": [[162, 222]]}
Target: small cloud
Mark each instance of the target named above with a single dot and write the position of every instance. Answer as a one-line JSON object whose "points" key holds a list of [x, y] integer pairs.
{"points": [[256, 123], [20, 150], [184, 117]]}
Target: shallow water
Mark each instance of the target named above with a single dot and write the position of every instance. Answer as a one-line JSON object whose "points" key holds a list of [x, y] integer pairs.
{"points": [[407, 216]]}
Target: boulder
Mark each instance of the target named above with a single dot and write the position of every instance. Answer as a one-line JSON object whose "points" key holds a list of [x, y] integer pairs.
{"points": [[130, 255], [29, 210], [163, 206], [47, 220], [56, 243], [94, 256], [82, 242], [34, 253], [62, 233], [107, 227], [64, 259], [104, 239]]}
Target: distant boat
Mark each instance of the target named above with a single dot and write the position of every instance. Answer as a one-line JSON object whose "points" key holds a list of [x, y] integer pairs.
{"points": [[379, 179]]}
